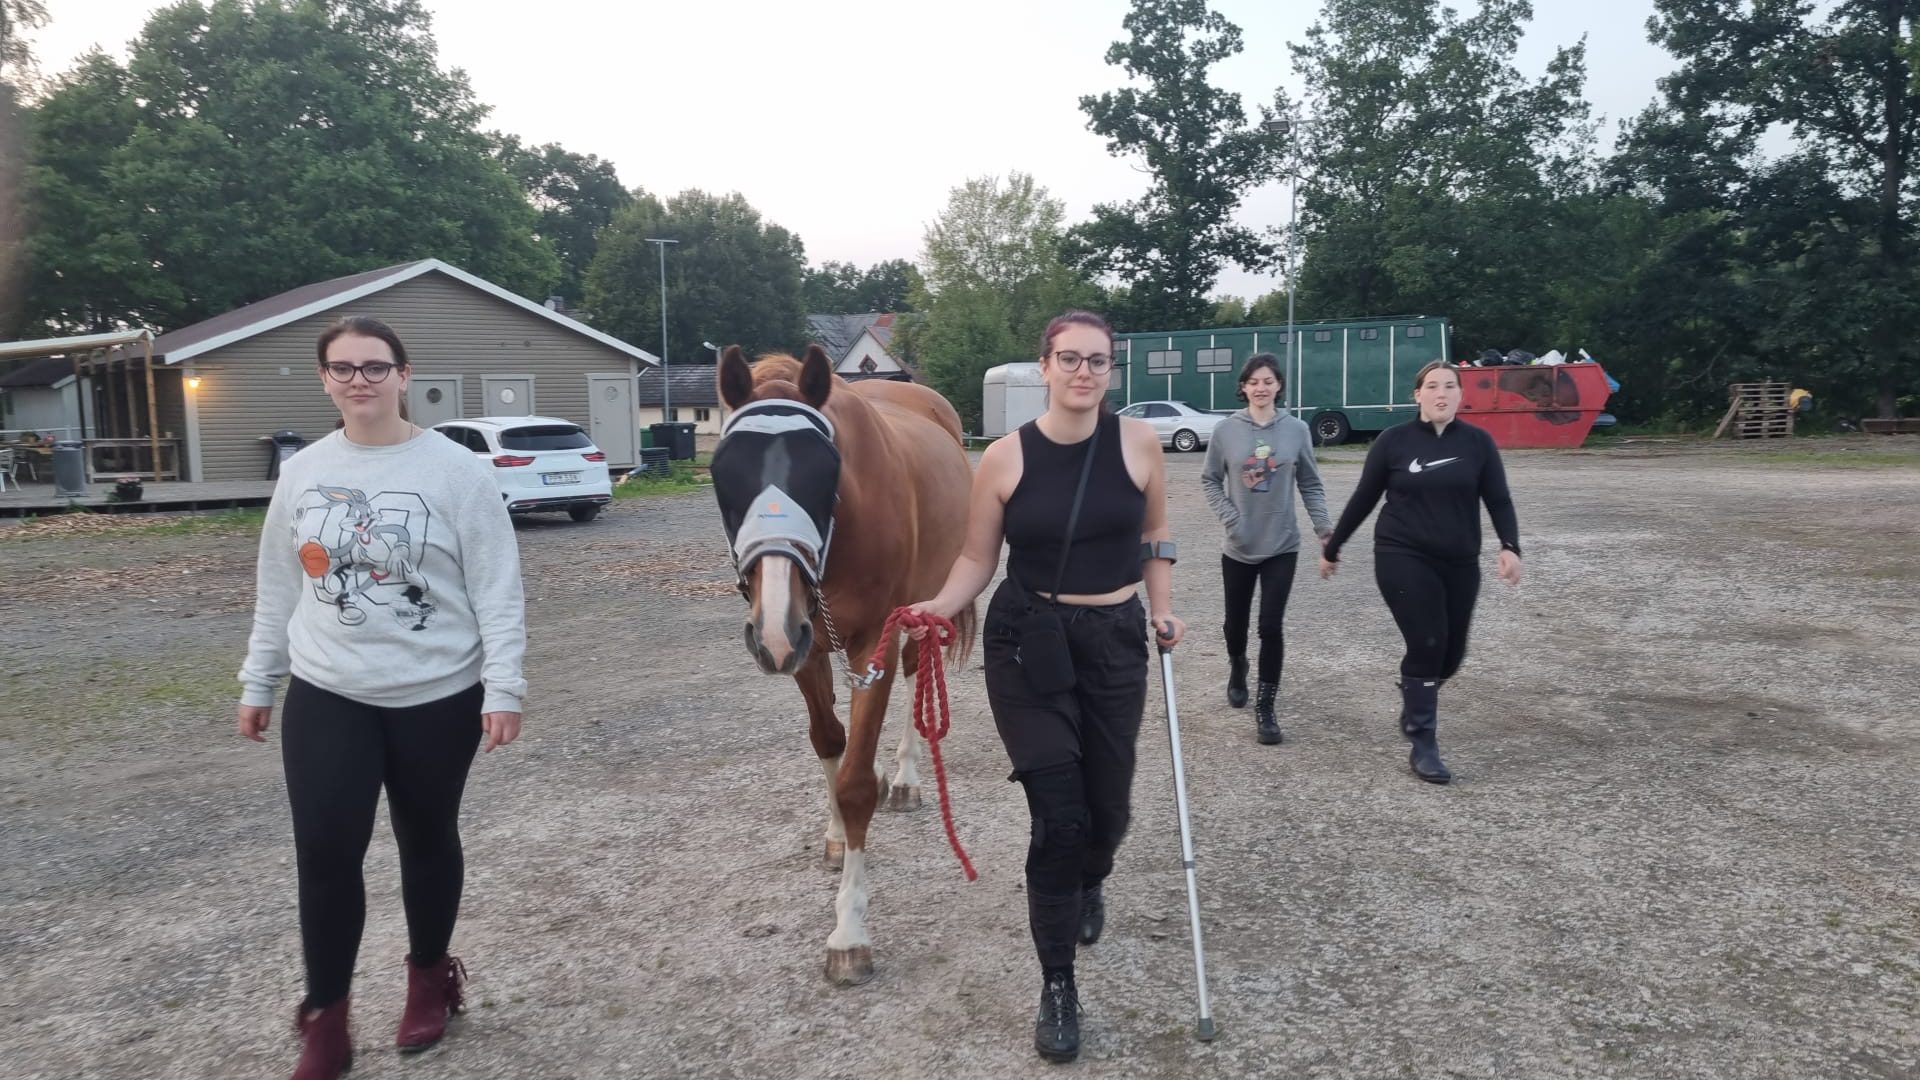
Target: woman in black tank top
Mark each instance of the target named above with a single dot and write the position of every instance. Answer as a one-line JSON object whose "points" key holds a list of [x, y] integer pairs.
{"points": [[1072, 749]]}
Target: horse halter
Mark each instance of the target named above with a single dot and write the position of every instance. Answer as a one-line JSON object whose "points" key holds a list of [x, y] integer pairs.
{"points": [[776, 475]]}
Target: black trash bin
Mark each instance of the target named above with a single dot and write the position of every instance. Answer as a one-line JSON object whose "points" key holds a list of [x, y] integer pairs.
{"points": [[676, 437], [69, 468], [283, 444]]}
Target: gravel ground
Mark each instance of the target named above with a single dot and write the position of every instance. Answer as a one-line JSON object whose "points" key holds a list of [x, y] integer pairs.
{"points": [[1681, 843]]}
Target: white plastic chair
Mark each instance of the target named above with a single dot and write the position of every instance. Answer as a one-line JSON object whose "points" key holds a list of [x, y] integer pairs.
{"points": [[7, 467]]}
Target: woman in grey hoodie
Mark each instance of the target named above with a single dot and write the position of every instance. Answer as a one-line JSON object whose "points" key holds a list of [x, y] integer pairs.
{"points": [[1270, 454]]}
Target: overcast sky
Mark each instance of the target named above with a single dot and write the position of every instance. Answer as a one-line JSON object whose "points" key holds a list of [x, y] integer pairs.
{"points": [[848, 121]]}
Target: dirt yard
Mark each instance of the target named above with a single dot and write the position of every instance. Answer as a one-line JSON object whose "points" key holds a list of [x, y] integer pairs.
{"points": [[1682, 842]]}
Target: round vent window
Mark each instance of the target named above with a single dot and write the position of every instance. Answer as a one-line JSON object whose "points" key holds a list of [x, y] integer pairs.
{"points": [[612, 392], [506, 395], [434, 395]]}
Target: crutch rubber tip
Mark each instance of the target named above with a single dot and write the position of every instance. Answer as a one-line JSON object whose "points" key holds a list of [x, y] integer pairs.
{"points": [[1206, 1031]]}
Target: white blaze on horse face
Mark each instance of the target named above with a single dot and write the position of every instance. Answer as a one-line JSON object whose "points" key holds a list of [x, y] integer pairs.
{"points": [[851, 905], [773, 590]]}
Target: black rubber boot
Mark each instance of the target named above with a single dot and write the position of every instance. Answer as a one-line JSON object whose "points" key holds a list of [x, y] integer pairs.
{"points": [[1093, 914], [1419, 721], [1268, 725], [1056, 1032], [1237, 681]]}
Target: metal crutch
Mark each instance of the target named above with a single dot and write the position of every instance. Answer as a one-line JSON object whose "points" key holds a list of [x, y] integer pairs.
{"points": [[1205, 1030]]}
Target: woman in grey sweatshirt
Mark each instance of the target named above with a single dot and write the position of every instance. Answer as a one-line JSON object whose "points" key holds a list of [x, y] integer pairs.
{"points": [[1268, 454]]}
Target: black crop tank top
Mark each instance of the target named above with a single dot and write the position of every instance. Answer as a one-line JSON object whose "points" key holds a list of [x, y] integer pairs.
{"points": [[1106, 543]]}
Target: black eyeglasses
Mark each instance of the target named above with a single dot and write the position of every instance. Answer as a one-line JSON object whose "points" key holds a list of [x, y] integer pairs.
{"points": [[373, 370], [1099, 363]]}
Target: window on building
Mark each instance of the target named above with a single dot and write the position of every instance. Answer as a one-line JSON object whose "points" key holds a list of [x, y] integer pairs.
{"points": [[869, 365], [1164, 363], [1214, 360], [701, 416], [1323, 335], [1416, 331], [672, 415], [1370, 334]]}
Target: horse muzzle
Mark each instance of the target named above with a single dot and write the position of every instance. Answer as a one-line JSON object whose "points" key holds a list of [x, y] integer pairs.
{"points": [[783, 657]]}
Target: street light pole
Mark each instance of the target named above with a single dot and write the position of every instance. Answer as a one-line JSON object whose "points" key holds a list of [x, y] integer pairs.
{"points": [[666, 384], [1283, 126]]}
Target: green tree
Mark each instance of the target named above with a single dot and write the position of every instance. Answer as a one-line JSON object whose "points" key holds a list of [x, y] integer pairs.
{"points": [[1841, 79], [993, 277], [16, 68], [1432, 170], [843, 288], [732, 278], [251, 146], [1168, 245], [1229, 311], [576, 195]]}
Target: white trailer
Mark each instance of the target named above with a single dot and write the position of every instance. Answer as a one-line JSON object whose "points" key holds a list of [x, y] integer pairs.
{"points": [[1012, 395]]}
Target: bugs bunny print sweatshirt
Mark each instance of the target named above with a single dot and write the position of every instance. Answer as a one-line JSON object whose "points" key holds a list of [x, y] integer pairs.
{"points": [[388, 575]]}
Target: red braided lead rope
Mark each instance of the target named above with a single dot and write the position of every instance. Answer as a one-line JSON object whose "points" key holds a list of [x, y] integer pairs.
{"points": [[929, 690]]}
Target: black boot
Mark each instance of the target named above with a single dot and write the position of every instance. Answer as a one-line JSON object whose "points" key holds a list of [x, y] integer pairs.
{"points": [[1056, 1032], [1093, 913], [1268, 725], [1419, 721], [1237, 681]]}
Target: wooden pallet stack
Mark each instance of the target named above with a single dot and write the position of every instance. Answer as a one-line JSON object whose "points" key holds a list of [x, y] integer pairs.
{"points": [[1757, 411]]}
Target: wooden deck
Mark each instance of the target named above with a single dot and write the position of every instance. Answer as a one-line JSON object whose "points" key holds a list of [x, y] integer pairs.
{"points": [[31, 499]]}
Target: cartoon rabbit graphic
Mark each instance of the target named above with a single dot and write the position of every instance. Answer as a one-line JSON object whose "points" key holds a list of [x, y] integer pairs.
{"points": [[371, 552]]}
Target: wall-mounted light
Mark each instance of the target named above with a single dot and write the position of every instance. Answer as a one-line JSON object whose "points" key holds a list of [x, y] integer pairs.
{"points": [[193, 382]]}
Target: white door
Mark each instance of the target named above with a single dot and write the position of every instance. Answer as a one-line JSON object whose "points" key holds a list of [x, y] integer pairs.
{"points": [[433, 399], [610, 417], [506, 395]]}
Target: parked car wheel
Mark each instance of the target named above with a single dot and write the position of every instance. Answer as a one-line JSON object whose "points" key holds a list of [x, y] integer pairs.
{"points": [[583, 514], [1185, 441], [1331, 428]]}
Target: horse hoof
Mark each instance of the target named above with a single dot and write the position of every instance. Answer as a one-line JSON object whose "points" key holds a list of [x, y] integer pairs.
{"points": [[835, 857], [850, 967], [903, 797]]}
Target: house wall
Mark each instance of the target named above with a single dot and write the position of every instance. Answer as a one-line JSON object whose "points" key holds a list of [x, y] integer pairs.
{"points": [[867, 347], [650, 414], [45, 410], [270, 381]]}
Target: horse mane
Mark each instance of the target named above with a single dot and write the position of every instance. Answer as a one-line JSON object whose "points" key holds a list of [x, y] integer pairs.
{"points": [[771, 366]]}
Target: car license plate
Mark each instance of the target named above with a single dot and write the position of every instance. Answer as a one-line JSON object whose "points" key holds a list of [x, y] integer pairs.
{"points": [[560, 478]]}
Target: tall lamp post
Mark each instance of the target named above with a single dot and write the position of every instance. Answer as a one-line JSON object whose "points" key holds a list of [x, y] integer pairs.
{"points": [[1283, 127], [666, 384]]}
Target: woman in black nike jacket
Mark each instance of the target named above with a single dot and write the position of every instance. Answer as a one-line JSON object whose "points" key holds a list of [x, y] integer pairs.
{"points": [[1435, 472]]}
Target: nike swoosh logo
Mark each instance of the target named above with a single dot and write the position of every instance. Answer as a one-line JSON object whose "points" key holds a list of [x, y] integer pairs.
{"points": [[1417, 467]]}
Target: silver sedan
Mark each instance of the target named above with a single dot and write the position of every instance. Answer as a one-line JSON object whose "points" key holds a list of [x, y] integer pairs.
{"points": [[1181, 426]]}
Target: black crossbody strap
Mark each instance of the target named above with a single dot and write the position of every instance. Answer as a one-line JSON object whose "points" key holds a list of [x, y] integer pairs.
{"points": [[1073, 515]]}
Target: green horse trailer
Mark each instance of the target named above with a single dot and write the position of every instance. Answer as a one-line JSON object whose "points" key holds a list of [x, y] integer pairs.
{"points": [[1342, 377]]}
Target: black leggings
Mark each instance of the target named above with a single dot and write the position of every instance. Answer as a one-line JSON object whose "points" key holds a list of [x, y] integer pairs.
{"points": [[1274, 576], [338, 753], [1073, 752], [1432, 600]]}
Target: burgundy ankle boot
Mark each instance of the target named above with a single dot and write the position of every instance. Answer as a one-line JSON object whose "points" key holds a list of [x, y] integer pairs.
{"points": [[326, 1048], [433, 995]]}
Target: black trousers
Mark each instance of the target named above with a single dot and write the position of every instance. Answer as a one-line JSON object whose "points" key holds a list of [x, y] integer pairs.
{"points": [[1432, 601], [338, 754], [1274, 576], [1073, 752]]}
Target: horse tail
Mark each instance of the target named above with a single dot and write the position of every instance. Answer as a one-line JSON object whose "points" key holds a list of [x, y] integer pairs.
{"points": [[966, 626]]}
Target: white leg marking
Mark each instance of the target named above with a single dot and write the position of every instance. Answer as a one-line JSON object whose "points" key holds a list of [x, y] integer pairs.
{"points": [[836, 828], [851, 906], [906, 769]]}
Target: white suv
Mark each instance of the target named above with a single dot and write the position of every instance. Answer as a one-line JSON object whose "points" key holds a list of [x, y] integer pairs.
{"points": [[542, 463]]}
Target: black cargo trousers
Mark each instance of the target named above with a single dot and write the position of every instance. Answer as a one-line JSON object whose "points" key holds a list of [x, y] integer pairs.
{"points": [[1072, 751]]}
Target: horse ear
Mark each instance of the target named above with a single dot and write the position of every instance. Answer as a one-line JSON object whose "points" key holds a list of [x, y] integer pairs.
{"points": [[736, 378], [816, 376]]}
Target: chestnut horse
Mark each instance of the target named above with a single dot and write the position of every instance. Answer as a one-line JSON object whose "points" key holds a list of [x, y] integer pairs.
{"points": [[891, 524]]}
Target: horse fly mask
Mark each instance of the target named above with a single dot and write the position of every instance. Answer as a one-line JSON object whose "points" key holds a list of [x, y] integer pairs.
{"points": [[776, 474]]}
